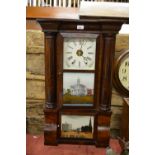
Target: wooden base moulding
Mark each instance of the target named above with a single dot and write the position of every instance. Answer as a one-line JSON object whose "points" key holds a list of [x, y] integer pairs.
{"points": [[52, 129]]}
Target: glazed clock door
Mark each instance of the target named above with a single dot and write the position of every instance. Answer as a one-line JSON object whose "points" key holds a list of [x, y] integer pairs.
{"points": [[76, 65]]}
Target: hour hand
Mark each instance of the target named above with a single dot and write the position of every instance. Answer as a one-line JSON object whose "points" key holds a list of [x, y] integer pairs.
{"points": [[85, 60]]}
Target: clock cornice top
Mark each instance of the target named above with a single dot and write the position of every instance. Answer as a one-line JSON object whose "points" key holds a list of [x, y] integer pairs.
{"points": [[105, 25], [87, 19], [108, 18]]}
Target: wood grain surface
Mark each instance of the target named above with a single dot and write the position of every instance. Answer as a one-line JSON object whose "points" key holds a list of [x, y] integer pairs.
{"points": [[51, 12]]}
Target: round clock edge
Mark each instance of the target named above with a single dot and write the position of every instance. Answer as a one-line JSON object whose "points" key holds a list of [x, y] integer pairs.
{"points": [[116, 81]]}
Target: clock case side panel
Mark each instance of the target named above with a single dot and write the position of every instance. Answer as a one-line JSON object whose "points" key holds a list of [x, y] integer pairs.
{"points": [[103, 129], [116, 81], [60, 70], [51, 127]]}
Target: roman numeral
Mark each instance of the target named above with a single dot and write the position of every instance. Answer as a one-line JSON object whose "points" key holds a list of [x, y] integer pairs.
{"points": [[79, 64], [124, 78], [90, 65], [74, 62], [126, 63], [86, 63], [89, 47], [70, 47], [123, 70], [88, 58], [68, 52], [69, 58]]}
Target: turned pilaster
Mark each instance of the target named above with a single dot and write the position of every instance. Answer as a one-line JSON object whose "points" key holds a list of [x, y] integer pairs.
{"points": [[50, 70], [106, 67]]}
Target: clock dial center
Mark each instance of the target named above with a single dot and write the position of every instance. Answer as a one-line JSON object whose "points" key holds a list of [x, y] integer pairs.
{"points": [[79, 52]]}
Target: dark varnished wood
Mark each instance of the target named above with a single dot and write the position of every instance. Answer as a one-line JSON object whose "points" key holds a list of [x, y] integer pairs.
{"points": [[90, 25], [50, 70], [59, 70], [124, 132], [103, 129], [107, 65], [51, 12], [55, 31], [51, 126]]}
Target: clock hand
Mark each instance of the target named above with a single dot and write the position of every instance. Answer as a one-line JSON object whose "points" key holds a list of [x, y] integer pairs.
{"points": [[85, 59], [83, 43], [81, 46]]}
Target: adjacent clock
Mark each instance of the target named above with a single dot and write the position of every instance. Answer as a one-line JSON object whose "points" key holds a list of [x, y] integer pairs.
{"points": [[121, 73]]}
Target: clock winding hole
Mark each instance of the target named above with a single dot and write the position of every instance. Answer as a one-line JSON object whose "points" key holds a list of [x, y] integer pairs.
{"points": [[79, 52]]}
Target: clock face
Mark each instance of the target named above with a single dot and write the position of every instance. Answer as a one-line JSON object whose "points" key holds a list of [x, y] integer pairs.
{"points": [[124, 73], [79, 53]]}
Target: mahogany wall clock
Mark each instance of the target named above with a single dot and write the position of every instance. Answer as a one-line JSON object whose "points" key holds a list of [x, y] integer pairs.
{"points": [[79, 56]]}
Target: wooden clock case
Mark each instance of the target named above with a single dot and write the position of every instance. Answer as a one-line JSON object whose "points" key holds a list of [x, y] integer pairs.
{"points": [[105, 31]]}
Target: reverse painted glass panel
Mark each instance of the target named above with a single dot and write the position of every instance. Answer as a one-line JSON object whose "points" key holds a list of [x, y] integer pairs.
{"points": [[78, 89]]}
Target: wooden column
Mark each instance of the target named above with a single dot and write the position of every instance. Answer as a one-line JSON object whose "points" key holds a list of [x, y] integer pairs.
{"points": [[50, 70], [104, 114], [107, 65], [50, 111]]}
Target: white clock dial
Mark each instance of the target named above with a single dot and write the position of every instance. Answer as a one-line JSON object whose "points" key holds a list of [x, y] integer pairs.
{"points": [[79, 53], [124, 73]]}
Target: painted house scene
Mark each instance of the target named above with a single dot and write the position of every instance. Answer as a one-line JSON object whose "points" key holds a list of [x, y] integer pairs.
{"points": [[77, 126], [78, 88]]}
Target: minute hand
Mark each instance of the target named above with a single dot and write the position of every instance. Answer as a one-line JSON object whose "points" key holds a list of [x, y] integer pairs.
{"points": [[83, 43], [85, 59]]}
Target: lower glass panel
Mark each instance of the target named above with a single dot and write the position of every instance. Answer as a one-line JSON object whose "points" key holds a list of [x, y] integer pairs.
{"points": [[75, 126]]}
